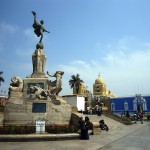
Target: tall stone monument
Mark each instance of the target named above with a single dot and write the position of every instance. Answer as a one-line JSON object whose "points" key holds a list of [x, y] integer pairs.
{"points": [[36, 97]]}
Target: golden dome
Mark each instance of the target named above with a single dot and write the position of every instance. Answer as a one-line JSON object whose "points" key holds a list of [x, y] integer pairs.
{"points": [[99, 80]]}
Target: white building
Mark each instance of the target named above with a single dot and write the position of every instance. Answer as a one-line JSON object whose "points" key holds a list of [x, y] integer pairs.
{"points": [[75, 100]]}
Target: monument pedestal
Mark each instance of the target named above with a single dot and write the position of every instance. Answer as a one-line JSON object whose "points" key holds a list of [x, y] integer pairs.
{"points": [[22, 109], [32, 110]]}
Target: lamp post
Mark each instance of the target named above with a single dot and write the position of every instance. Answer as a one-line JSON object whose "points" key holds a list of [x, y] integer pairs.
{"points": [[125, 106], [139, 100], [112, 106]]}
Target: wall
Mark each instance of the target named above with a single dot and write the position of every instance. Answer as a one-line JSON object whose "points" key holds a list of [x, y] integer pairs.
{"points": [[77, 101], [119, 103]]}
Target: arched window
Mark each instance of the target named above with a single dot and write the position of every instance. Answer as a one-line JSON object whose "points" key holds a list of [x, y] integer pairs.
{"points": [[135, 104], [125, 106], [144, 104], [112, 106]]}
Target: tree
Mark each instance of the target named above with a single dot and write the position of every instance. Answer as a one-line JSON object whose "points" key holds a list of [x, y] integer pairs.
{"points": [[76, 82], [1, 78]]}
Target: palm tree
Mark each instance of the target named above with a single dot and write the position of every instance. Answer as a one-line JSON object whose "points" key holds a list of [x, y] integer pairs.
{"points": [[76, 82], [1, 78]]}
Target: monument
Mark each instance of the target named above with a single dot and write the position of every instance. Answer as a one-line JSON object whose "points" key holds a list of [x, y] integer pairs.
{"points": [[36, 98]]}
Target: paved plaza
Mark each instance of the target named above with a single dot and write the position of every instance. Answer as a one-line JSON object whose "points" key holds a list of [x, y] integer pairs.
{"points": [[138, 140], [119, 137]]}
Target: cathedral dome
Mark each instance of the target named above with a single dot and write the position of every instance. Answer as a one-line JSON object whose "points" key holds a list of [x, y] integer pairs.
{"points": [[99, 80]]}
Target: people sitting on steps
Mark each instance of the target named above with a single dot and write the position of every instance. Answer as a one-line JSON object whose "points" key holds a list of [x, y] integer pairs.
{"points": [[89, 124], [84, 129], [102, 125]]}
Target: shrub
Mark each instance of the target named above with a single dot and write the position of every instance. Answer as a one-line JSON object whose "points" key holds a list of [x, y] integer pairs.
{"points": [[61, 129], [54, 129], [17, 129]]}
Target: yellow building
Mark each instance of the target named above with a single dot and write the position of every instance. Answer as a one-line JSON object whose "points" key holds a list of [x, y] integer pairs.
{"points": [[100, 90], [82, 90]]}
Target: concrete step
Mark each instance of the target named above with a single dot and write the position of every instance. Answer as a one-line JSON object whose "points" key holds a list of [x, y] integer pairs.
{"points": [[112, 124]]}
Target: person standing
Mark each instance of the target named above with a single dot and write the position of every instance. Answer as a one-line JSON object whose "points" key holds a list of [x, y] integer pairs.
{"points": [[100, 111], [135, 117], [97, 108], [141, 117]]}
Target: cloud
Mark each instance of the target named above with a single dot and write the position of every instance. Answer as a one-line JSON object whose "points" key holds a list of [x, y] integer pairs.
{"points": [[124, 68], [9, 28], [87, 71], [122, 71]]}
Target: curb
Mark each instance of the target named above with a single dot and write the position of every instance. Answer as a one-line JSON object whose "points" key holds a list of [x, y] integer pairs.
{"points": [[38, 137]]}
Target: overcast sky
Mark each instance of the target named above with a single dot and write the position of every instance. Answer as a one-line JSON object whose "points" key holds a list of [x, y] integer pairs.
{"points": [[88, 37]]}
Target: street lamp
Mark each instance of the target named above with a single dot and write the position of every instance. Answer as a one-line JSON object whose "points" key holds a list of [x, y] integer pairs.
{"points": [[112, 106], [139, 103], [125, 106]]}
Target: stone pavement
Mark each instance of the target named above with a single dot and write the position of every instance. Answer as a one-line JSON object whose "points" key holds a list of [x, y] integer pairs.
{"points": [[115, 139], [139, 140]]}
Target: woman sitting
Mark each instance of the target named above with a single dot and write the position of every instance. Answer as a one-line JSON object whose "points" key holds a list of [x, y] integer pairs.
{"points": [[103, 126]]}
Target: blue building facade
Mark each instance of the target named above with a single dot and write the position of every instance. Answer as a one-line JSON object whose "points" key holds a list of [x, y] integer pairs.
{"points": [[131, 104]]}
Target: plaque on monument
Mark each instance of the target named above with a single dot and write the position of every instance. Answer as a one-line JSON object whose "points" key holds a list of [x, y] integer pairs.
{"points": [[39, 107]]}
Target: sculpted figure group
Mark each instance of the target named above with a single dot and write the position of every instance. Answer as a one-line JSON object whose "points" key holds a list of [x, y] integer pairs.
{"points": [[54, 87], [38, 92]]}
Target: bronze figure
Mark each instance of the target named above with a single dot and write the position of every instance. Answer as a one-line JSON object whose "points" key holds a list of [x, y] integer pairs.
{"points": [[38, 27]]}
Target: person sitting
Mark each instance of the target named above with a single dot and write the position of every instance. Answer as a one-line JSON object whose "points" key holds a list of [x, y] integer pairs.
{"points": [[89, 125], [127, 114], [84, 130], [148, 117], [122, 115], [141, 115], [103, 126]]}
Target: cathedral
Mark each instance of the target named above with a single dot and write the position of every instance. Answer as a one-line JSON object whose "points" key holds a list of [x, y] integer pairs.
{"points": [[114, 103], [99, 89]]}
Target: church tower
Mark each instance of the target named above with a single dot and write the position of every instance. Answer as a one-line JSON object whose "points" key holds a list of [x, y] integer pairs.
{"points": [[99, 87]]}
